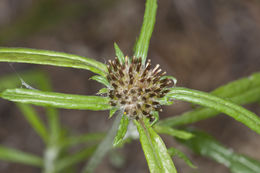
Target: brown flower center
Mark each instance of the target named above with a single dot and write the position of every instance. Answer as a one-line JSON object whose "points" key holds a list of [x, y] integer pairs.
{"points": [[136, 88]]}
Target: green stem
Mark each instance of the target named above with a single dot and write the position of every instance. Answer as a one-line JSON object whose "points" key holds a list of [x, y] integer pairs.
{"points": [[103, 147], [53, 148], [50, 155]]}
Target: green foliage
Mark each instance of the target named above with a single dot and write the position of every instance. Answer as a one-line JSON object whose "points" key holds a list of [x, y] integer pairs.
{"points": [[154, 149], [14, 155], [122, 129], [142, 44], [242, 91], [207, 146], [155, 114], [173, 132], [75, 140], [112, 112], [34, 120], [103, 91], [57, 156], [208, 100], [58, 100], [50, 135], [43, 57], [101, 80], [81, 156], [119, 54], [174, 151]]}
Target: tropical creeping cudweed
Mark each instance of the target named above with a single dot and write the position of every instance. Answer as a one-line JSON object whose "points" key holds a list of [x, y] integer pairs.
{"points": [[136, 88]]}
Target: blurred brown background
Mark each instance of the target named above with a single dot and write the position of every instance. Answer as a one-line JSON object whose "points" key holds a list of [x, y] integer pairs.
{"points": [[203, 43]]}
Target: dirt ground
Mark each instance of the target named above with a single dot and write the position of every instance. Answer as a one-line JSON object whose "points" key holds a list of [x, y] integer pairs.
{"points": [[203, 43]]}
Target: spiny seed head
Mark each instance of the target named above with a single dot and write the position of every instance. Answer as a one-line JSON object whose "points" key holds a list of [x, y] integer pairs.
{"points": [[136, 88]]}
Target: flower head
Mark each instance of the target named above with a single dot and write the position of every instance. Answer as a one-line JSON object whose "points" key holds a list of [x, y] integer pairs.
{"points": [[136, 88]]}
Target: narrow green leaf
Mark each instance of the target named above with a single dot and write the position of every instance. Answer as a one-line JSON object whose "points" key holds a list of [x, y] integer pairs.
{"points": [[103, 91], [75, 140], [173, 151], [54, 126], [207, 146], [142, 44], [112, 112], [122, 129], [242, 91], [154, 149], [189, 117], [119, 54], [43, 57], [13, 155], [238, 86], [74, 158], [173, 132], [198, 114], [101, 80], [59, 100], [149, 151], [32, 117], [204, 99], [244, 164], [155, 114], [165, 159]]}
